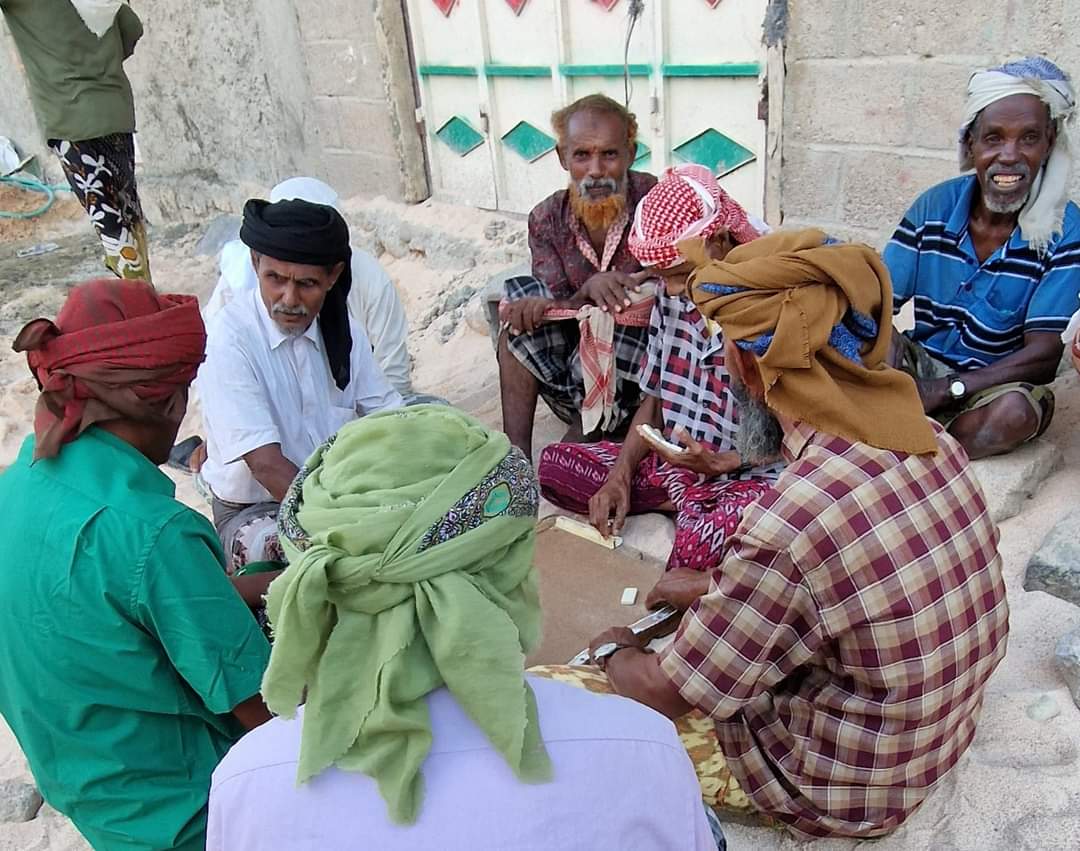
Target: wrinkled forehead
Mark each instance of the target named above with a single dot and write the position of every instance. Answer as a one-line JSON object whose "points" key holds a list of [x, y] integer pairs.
{"points": [[589, 128], [1014, 110], [268, 265]]}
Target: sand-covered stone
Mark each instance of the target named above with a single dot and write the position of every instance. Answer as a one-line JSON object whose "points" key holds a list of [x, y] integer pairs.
{"points": [[1055, 567], [1009, 481], [652, 534], [19, 800], [1067, 656]]}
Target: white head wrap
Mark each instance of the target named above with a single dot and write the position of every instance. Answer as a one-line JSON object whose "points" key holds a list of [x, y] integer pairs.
{"points": [[1041, 217], [305, 189]]}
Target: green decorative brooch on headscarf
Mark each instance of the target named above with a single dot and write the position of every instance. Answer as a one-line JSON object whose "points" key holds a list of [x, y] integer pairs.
{"points": [[410, 541]]}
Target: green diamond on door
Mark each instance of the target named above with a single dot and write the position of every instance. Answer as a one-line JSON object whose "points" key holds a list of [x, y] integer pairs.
{"points": [[642, 157], [715, 151], [528, 142], [458, 135]]}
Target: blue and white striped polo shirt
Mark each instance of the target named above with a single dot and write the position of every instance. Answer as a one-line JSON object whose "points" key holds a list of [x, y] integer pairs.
{"points": [[971, 315]]}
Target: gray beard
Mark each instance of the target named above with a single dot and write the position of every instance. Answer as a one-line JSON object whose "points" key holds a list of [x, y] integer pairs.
{"points": [[995, 207], [760, 436]]}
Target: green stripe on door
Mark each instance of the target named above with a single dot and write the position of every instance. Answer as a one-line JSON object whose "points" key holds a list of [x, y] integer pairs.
{"points": [[723, 69], [448, 71], [604, 70], [517, 70]]}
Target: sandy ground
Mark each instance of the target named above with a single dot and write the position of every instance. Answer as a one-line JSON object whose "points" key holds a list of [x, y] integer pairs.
{"points": [[1018, 787]]}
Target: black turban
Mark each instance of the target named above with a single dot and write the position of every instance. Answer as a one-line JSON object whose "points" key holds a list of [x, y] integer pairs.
{"points": [[314, 235]]}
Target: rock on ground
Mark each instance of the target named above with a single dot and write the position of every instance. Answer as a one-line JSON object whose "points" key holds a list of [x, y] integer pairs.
{"points": [[1008, 481], [19, 800], [1055, 567], [1067, 656]]}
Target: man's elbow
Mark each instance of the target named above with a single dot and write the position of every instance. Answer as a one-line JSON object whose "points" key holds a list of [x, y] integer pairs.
{"points": [[1045, 370]]}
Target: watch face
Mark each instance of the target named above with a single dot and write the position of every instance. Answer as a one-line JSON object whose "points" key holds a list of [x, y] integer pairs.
{"points": [[957, 389]]}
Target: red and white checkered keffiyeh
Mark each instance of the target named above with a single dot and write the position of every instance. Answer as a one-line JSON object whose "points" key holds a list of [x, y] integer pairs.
{"points": [[687, 202]]}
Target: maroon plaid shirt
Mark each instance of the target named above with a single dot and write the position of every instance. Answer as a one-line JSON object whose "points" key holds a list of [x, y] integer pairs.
{"points": [[557, 260], [849, 633]]}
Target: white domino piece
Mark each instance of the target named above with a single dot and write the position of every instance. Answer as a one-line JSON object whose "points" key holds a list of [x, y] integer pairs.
{"points": [[629, 596]]}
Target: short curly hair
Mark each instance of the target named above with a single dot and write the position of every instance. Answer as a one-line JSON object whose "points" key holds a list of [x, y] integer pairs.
{"points": [[600, 104]]}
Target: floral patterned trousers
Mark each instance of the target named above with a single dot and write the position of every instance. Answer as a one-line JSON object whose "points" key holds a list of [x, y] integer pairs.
{"points": [[101, 173]]}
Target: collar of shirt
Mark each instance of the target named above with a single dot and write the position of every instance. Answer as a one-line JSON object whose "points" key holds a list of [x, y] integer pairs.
{"points": [[709, 330], [960, 220], [274, 335], [104, 457], [611, 241], [796, 440]]}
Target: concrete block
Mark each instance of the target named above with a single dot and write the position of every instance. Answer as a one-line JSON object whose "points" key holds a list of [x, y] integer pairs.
{"points": [[346, 68], [19, 800], [810, 185], [321, 20], [935, 104], [334, 67], [328, 122], [1055, 567], [878, 187], [815, 28], [364, 125], [356, 173], [1008, 481], [841, 102]]}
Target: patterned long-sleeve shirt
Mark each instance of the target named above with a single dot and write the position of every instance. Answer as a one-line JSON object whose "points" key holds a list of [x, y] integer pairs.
{"points": [[849, 633], [562, 256]]}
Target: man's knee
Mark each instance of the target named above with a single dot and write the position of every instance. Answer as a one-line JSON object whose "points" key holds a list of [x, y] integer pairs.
{"points": [[997, 427], [512, 372]]}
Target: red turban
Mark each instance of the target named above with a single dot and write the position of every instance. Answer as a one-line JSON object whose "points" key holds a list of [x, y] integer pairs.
{"points": [[118, 350], [687, 202]]}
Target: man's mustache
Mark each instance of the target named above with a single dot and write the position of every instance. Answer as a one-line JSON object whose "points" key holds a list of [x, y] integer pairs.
{"points": [[609, 183], [299, 310]]}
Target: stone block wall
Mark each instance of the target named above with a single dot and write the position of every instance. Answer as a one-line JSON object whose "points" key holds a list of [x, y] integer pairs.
{"points": [[874, 94], [232, 97]]}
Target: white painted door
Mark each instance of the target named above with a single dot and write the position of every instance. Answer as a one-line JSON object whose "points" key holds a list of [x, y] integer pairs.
{"points": [[492, 71]]}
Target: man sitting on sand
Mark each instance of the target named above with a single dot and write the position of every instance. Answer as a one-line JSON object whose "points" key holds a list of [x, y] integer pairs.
{"points": [[286, 367], [577, 237], [843, 645], [686, 393], [991, 261], [373, 301], [128, 663], [404, 616]]}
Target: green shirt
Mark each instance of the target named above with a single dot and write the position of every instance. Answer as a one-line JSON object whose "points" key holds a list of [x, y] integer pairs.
{"points": [[77, 81], [123, 645]]}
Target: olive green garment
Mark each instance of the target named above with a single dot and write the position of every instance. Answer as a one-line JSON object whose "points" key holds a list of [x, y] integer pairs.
{"points": [[123, 646], [77, 81]]}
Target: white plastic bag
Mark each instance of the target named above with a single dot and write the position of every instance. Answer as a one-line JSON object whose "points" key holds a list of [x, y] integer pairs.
{"points": [[10, 161]]}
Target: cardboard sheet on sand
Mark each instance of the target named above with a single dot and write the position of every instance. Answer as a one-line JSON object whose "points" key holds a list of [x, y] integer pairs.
{"points": [[581, 584]]}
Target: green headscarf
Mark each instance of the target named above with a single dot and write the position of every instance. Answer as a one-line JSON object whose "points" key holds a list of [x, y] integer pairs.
{"points": [[410, 542]]}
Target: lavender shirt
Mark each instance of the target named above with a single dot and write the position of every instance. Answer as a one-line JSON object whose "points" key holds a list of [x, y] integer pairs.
{"points": [[622, 779]]}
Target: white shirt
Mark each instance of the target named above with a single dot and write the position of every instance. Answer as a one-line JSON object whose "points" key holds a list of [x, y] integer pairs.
{"points": [[373, 302], [260, 385], [622, 780]]}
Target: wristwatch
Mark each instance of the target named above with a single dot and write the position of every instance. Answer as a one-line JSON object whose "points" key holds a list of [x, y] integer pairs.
{"points": [[957, 388]]}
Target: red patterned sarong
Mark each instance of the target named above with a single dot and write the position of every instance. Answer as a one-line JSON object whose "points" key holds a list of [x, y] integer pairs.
{"points": [[707, 509]]}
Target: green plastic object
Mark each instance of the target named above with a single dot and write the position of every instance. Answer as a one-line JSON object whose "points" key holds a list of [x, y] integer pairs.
{"points": [[261, 567]]}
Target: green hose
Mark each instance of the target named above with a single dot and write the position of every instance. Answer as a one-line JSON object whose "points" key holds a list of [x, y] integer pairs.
{"points": [[31, 184]]}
